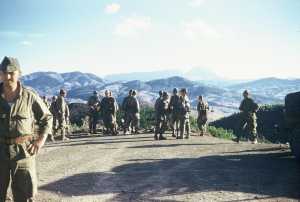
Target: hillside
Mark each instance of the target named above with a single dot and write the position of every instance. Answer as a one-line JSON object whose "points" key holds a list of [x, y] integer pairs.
{"points": [[222, 99], [272, 87]]}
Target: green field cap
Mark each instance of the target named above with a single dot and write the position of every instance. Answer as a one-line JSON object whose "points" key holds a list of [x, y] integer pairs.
{"points": [[9, 64]]}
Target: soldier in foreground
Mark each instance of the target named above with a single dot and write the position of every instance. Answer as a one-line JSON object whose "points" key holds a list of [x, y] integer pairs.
{"points": [[20, 109], [109, 110], [184, 114], [174, 109], [248, 110], [62, 114], [94, 108], [161, 112], [202, 109]]}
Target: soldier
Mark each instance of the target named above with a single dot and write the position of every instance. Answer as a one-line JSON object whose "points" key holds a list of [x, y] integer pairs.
{"points": [[161, 110], [44, 98], [68, 123], [174, 109], [109, 109], [125, 108], [20, 109], [248, 110], [94, 108], [160, 93], [202, 109], [53, 110], [62, 114], [184, 114], [135, 112]]}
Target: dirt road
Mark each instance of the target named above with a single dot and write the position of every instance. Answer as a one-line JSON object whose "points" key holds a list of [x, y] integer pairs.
{"points": [[137, 168]]}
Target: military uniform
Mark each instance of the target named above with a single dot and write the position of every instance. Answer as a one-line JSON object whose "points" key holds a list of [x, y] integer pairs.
{"points": [[61, 116], [174, 114], [46, 102], [109, 109], [94, 105], [184, 125], [202, 109], [161, 112], [17, 130], [132, 112], [68, 123], [53, 110], [248, 117], [125, 108]]}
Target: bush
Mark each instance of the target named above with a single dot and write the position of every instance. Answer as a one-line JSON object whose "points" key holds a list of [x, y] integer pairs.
{"points": [[270, 124], [221, 133], [147, 118]]}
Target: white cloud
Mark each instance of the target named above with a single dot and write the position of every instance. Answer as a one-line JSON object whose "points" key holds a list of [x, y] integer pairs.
{"points": [[133, 26], [196, 3], [199, 29], [112, 8], [26, 43]]}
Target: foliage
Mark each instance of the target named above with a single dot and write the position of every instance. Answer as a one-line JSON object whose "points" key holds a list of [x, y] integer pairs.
{"points": [[270, 120], [221, 133], [147, 117]]}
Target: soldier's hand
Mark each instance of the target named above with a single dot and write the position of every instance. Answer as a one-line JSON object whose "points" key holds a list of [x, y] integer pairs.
{"points": [[35, 146]]}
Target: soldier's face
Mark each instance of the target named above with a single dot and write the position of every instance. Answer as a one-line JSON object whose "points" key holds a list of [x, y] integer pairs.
{"points": [[10, 78]]}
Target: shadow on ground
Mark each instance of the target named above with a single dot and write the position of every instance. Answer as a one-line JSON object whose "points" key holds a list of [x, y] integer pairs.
{"points": [[270, 174]]}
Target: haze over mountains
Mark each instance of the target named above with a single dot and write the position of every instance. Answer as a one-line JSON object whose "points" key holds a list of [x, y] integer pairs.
{"points": [[218, 92]]}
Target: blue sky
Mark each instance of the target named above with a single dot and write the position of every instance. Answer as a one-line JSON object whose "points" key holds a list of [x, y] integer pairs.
{"points": [[238, 39]]}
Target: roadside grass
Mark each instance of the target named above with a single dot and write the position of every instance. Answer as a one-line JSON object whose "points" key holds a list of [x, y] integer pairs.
{"points": [[221, 133]]}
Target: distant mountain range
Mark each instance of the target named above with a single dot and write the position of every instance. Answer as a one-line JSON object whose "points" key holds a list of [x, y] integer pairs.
{"points": [[223, 98], [269, 87]]}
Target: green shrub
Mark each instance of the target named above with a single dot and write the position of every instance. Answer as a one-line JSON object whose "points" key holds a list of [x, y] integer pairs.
{"points": [[147, 118], [221, 133], [270, 124]]}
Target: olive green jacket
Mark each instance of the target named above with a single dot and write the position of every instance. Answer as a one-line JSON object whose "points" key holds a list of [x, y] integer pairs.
{"points": [[22, 117], [27, 110], [62, 108], [249, 108]]}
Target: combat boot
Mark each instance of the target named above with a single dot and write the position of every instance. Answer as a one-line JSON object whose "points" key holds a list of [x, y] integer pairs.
{"points": [[180, 137], [161, 137]]}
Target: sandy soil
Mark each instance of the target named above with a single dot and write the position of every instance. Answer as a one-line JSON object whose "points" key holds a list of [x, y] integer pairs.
{"points": [[137, 168]]}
